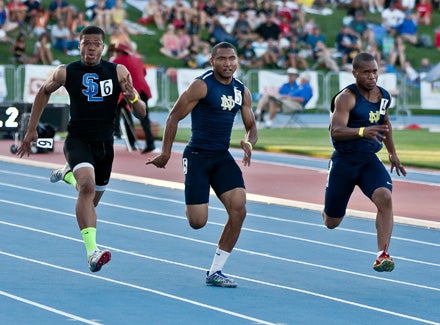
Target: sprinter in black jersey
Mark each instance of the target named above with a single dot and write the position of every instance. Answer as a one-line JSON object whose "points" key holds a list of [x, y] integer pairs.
{"points": [[359, 125], [94, 86], [213, 99]]}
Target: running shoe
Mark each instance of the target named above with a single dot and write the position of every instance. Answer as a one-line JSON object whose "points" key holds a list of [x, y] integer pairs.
{"points": [[218, 279], [384, 263], [98, 258], [59, 174]]}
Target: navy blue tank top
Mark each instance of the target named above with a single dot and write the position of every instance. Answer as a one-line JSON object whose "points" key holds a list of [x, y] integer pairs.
{"points": [[94, 93], [364, 113], [213, 116]]}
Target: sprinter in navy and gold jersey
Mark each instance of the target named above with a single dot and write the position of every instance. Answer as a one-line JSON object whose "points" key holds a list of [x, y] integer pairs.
{"points": [[213, 99], [359, 126], [93, 86]]}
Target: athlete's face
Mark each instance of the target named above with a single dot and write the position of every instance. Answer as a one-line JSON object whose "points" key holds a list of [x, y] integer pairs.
{"points": [[91, 47], [366, 74], [224, 63]]}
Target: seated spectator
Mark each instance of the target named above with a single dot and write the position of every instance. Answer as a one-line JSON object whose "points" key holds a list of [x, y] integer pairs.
{"points": [[101, 16], [6, 24], [408, 29], [292, 57], [296, 100], [199, 57], [359, 25], [17, 12], [269, 29], [171, 44], [118, 14], [155, 11], [43, 50], [41, 20], [424, 12], [19, 50], [32, 8], [348, 45], [78, 24], [397, 52], [283, 93], [248, 57], [392, 17], [273, 54], [61, 10], [62, 39], [218, 34], [322, 57]]}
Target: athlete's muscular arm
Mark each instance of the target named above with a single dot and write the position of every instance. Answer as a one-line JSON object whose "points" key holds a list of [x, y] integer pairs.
{"points": [[339, 130], [130, 94], [250, 126], [183, 106], [55, 81]]}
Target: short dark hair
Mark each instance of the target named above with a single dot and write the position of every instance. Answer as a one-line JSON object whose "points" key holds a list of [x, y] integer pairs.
{"points": [[362, 57], [92, 30], [222, 45]]}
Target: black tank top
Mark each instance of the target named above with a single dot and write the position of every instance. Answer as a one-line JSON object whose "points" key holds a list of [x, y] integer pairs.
{"points": [[94, 93]]}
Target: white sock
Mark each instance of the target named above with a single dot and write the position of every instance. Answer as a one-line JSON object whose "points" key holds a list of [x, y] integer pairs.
{"points": [[220, 258], [379, 253]]}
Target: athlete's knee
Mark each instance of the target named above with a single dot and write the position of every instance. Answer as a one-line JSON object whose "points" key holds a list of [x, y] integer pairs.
{"points": [[330, 223], [197, 216], [382, 197], [86, 187]]}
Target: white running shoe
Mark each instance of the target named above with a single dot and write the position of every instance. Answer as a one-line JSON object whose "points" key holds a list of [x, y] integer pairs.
{"points": [[58, 174]]}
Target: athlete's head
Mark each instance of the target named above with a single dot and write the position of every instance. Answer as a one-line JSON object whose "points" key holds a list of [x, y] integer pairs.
{"points": [[224, 61], [365, 71], [91, 45]]}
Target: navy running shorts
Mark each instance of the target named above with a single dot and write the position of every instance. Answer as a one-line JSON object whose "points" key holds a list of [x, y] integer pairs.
{"points": [[204, 169]]}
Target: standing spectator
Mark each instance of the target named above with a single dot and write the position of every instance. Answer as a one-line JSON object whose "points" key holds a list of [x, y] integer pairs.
{"points": [[136, 67], [213, 100], [358, 128], [62, 38]]}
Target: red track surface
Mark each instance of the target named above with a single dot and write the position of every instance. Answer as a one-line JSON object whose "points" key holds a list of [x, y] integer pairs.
{"points": [[411, 200]]}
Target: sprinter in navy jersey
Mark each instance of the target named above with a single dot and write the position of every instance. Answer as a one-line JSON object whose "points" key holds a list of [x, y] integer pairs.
{"points": [[359, 125], [213, 99], [93, 86]]}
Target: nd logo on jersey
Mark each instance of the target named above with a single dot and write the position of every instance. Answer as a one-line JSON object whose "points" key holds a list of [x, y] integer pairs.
{"points": [[228, 102], [374, 117]]}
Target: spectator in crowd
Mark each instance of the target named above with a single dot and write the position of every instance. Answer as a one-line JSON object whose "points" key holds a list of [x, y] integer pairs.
{"points": [[78, 24], [359, 25], [6, 24], [19, 50], [408, 29], [348, 45], [32, 9], [424, 12], [42, 18], [155, 11], [242, 30], [118, 14], [269, 29], [61, 10], [296, 100], [353, 7], [322, 57], [218, 34], [283, 93], [17, 12], [43, 50], [101, 16], [271, 58], [375, 5], [171, 44], [392, 17], [248, 57], [397, 53], [292, 56], [425, 66], [62, 39]]}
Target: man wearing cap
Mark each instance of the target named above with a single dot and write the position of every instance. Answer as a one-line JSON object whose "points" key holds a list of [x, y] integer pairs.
{"points": [[283, 93], [294, 102], [136, 67]]}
